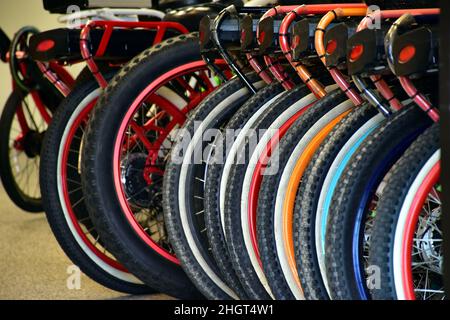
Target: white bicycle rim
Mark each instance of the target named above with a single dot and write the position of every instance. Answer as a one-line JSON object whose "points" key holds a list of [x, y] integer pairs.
{"points": [[236, 145], [197, 138], [282, 187], [310, 98], [119, 274], [265, 139], [361, 132]]}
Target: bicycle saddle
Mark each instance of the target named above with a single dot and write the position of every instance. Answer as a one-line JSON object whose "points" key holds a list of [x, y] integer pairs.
{"points": [[174, 4], [61, 6], [402, 4], [190, 16]]}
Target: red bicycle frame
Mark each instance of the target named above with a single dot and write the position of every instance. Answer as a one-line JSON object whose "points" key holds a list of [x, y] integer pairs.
{"points": [[53, 71], [160, 27]]}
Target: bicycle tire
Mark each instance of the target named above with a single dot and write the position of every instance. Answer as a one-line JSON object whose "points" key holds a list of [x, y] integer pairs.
{"points": [[184, 188], [59, 215], [160, 272], [356, 186]]}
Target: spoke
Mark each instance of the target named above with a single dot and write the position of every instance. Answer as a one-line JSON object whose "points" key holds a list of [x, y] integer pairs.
{"points": [[73, 181], [429, 290], [427, 241], [434, 196], [36, 191], [78, 202], [89, 231], [82, 131], [186, 85], [27, 107], [426, 284], [75, 190], [84, 219], [28, 176], [133, 196], [206, 80], [140, 132], [169, 107], [137, 147], [96, 241], [72, 167], [74, 151], [428, 262]]}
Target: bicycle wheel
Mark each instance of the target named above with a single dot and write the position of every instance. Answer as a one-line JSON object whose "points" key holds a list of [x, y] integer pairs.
{"points": [[63, 198], [307, 199], [218, 170], [356, 195], [22, 129], [407, 236], [329, 186], [124, 153], [243, 248], [184, 206], [268, 197]]}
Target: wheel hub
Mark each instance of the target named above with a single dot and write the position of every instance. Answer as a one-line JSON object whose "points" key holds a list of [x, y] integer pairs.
{"points": [[140, 191], [429, 243], [30, 143]]}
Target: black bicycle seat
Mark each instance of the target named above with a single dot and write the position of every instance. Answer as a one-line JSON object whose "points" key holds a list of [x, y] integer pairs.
{"points": [[402, 4], [175, 4], [62, 6], [190, 16]]}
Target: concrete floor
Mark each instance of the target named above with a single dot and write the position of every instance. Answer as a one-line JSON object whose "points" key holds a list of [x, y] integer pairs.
{"points": [[32, 265]]}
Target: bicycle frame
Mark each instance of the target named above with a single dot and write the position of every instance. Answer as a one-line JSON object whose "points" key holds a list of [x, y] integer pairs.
{"points": [[160, 27], [23, 59], [89, 57], [63, 81]]}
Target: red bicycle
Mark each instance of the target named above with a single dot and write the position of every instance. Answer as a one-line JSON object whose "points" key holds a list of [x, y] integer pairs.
{"points": [[105, 46], [25, 118]]}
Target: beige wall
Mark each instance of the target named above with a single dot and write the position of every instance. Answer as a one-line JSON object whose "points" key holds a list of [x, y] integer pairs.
{"points": [[15, 14]]}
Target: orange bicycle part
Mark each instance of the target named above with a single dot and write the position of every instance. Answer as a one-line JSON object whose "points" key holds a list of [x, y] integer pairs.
{"points": [[274, 66], [327, 20], [321, 50], [293, 185], [314, 85]]}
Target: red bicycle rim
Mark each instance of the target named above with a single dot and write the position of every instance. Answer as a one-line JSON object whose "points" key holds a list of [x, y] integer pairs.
{"points": [[144, 96], [411, 222], [82, 117], [258, 177]]}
